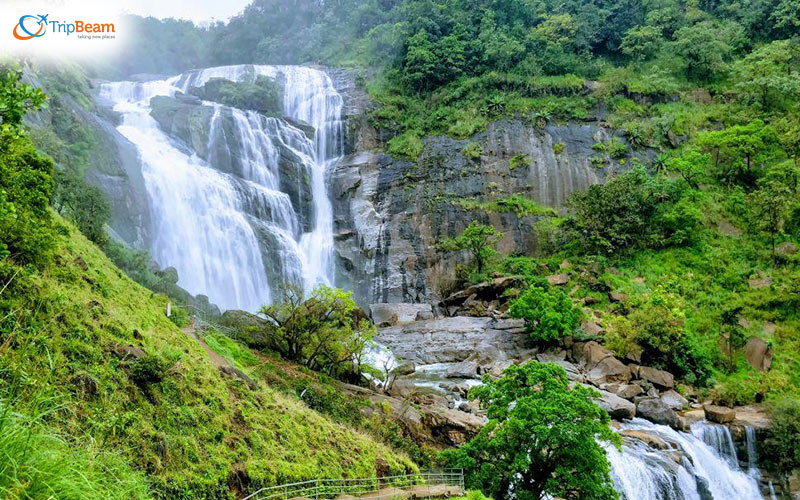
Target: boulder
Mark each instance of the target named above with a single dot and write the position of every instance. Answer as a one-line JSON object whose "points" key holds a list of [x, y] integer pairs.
{"points": [[674, 400], [397, 314], [658, 412], [405, 368], [616, 407], [590, 353], [617, 297], [464, 369], [608, 370], [629, 391], [129, 352], [424, 315], [647, 438], [558, 279], [573, 372], [719, 414], [786, 248], [758, 354], [661, 378], [591, 328]]}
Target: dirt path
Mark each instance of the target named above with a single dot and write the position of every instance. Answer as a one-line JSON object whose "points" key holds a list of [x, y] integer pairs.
{"points": [[216, 359]]}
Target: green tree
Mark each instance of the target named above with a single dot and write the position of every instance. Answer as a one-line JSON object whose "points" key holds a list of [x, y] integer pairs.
{"points": [[420, 63], [706, 47], [770, 206], [540, 440], [326, 332], [16, 97], [83, 204], [548, 312], [740, 152], [642, 42], [733, 334], [478, 239], [691, 165], [770, 74], [781, 448], [26, 183]]}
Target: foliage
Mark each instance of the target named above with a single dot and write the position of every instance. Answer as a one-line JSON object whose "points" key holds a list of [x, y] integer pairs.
{"points": [[633, 209], [548, 312], [781, 448], [740, 152], [27, 229], [85, 205], [541, 438], [517, 204], [770, 206], [38, 464], [407, 145], [478, 239], [472, 150], [16, 97], [519, 160], [325, 332], [770, 74], [264, 95]]}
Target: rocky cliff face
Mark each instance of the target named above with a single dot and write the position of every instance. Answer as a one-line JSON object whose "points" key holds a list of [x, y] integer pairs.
{"points": [[390, 213]]}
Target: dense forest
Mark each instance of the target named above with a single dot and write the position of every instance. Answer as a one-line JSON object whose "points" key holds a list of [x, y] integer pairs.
{"points": [[681, 258]]}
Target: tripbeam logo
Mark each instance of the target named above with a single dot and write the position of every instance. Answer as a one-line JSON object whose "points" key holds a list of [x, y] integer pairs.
{"points": [[30, 27]]}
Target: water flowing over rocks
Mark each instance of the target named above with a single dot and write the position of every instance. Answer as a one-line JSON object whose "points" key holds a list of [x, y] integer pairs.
{"points": [[239, 199]]}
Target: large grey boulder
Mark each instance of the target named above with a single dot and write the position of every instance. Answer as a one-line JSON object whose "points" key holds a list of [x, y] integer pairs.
{"points": [[608, 370], [616, 407], [464, 369], [758, 354], [674, 400], [658, 412], [660, 378], [397, 314], [719, 414]]}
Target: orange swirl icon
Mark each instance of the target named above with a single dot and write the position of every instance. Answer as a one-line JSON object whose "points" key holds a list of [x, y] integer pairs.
{"points": [[27, 34]]}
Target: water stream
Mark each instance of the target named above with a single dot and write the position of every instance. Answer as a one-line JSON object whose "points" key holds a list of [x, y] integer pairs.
{"points": [[698, 465], [230, 219]]}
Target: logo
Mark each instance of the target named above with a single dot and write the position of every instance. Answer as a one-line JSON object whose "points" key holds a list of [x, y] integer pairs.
{"points": [[27, 32]]}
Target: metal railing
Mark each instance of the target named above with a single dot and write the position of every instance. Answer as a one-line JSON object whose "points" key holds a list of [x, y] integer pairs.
{"points": [[443, 483]]}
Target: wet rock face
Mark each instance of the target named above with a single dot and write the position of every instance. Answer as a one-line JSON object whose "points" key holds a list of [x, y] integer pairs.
{"points": [[390, 213]]}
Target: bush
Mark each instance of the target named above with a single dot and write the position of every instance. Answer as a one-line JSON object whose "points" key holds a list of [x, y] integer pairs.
{"points": [[148, 370], [781, 449], [264, 95], [406, 145], [634, 210], [472, 150], [548, 312], [326, 332], [519, 160]]}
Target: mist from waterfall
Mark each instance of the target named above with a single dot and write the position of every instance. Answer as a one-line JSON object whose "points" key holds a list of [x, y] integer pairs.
{"points": [[235, 236], [700, 465]]}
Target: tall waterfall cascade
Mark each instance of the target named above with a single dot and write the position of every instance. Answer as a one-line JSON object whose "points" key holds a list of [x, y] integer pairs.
{"points": [[700, 465], [246, 208]]}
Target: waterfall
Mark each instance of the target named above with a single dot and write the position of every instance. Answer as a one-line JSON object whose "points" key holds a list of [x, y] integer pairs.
{"points": [[247, 209], [696, 467], [752, 452]]}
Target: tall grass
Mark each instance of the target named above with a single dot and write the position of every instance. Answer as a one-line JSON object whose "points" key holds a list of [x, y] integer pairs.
{"points": [[37, 464]]}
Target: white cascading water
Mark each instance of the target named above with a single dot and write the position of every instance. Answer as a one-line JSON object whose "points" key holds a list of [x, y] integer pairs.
{"points": [[705, 470], [208, 222]]}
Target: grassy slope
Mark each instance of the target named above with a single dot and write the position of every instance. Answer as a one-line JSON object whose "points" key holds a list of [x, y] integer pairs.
{"points": [[189, 432]]}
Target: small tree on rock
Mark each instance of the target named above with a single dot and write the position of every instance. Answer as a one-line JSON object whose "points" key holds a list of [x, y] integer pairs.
{"points": [[478, 239]]}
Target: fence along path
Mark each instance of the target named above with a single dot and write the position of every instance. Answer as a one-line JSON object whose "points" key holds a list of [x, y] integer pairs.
{"points": [[441, 484]]}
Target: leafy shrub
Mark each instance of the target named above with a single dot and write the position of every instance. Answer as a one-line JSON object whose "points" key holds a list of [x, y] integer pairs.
{"points": [[617, 149], [406, 145], [558, 148], [548, 312], [519, 160], [264, 95], [634, 209], [326, 332], [179, 316], [85, 205], [148, 370], [781, 449], [472, 150]]}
